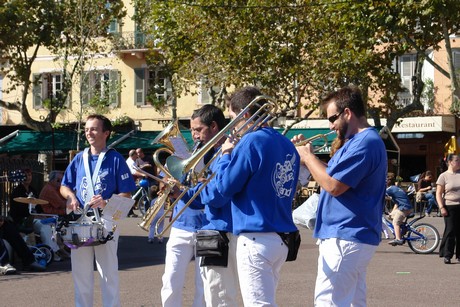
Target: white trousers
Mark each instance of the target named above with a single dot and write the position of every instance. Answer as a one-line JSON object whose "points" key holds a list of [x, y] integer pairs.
{"points": [[259, 259], [179, 252], [341, 279], [107, 266], [46, 234], [221, 283]]}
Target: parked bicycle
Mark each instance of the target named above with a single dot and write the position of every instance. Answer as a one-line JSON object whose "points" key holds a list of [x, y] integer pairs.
{"points": [[422, 238], [142, 196]]}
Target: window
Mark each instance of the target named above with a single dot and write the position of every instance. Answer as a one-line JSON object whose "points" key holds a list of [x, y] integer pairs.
{"points": [[406, 65], [114, 27], [151, 85], [101, 87], [48, 86], [456, 57], [204, 93]]}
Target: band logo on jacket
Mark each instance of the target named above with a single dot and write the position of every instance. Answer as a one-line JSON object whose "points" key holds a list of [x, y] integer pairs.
{"points": [[283, 177], [99, 186]]}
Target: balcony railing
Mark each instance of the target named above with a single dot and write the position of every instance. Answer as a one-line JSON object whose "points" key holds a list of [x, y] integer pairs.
{"points": [[132, 41], [404, 99]]}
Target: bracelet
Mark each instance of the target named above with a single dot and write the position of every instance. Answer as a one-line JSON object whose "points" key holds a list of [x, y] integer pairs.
{"points": [[442, 208]]}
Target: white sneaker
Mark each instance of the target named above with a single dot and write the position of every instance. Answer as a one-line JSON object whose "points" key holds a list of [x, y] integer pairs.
{"points": [[7, 269], [56, 257]]}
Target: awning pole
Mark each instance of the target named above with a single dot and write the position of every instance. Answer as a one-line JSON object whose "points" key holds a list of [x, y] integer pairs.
{"points": [[124, 137], [9, 136]]}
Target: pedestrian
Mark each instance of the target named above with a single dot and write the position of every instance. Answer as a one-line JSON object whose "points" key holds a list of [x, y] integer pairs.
{"points": [[448, 197], [91, 178], [349, 218]]}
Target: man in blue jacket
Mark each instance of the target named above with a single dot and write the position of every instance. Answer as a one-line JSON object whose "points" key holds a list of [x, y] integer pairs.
{"points": [[259, 174]]}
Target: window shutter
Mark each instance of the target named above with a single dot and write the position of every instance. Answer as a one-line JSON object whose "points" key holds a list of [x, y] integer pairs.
{"points": [[456, 56], [407, 71], [113, 27], [114, 90], [139, 84], [37, 91]]}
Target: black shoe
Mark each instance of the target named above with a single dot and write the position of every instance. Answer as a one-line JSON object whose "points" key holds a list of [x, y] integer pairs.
{"points": [[34, 267], [447, 260], [133, 215]]}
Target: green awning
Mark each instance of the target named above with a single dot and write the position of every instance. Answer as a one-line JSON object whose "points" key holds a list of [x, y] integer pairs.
{"points": [[27, 141]]}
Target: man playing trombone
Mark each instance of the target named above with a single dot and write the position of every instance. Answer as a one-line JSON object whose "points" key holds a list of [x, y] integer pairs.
{"points": [[259, 174], [205, 123], [220, 277]]}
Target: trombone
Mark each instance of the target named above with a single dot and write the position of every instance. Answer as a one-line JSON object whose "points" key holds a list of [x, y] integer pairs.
{"points": [[178, 168]]}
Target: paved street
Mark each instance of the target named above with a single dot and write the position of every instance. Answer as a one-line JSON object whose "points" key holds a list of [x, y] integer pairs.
{"points": [[396, 276]]}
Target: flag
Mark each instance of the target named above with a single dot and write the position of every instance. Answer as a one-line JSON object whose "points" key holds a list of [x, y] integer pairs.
{"points": [[451, 147]]}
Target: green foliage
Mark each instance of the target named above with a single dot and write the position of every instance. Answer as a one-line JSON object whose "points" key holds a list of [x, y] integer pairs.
{"points": [[320, 44], [68, 28]]}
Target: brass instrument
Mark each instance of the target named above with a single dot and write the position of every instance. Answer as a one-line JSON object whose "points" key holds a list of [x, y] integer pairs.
{"points": [[314, 138], [172, 130], [240, 125], [153, 210]]}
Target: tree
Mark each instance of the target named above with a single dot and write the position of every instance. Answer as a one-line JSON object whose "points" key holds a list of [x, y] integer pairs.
{"points": [[303, 49], [68, 29]]}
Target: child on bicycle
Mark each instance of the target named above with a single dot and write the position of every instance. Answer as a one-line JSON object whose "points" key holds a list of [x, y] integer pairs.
{"points": [[402, 207]]}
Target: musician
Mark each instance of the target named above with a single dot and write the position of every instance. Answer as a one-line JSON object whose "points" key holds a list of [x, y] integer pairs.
{"points": [[350, 208], [26, 222], [220, 276], [204, 124], [108, 175], [259, 174], [50, 192]]}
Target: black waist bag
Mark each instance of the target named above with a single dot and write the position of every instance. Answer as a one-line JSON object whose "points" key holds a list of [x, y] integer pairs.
{"points": [[292, 241], [210, 243]]}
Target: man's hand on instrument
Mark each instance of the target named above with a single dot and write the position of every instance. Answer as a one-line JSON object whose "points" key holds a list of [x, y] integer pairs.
{"points": [[72, 205], [97, 202], [297, 138], [228, 146]]}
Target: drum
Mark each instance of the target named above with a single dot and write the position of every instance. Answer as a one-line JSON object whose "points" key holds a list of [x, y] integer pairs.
{"points": [[82, 234]]}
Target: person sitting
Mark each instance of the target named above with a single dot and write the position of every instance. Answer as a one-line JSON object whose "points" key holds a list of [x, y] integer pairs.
{"points": [[425, 192], [50, 192], [26, 222], [10, 233], [56, 203], [402, 207]]}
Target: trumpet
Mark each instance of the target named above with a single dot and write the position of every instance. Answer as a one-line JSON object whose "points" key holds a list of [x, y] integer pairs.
{"points": [[314, 138]]}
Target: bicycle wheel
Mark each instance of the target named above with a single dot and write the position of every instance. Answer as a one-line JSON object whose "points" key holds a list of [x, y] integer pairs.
{"points": [[143, 204], [43, 253], [426, 242]]}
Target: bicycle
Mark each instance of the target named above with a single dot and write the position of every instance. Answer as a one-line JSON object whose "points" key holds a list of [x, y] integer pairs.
{"points": [[422, 238], [142, 196]]}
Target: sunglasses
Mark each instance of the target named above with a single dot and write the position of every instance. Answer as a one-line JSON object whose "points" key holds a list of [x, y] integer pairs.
{"points": [[334, 117]]}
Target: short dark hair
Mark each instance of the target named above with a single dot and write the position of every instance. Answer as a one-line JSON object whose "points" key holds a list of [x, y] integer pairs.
{"points": [[106, 124], [243, 97], [210, 113], [347, 97]]}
